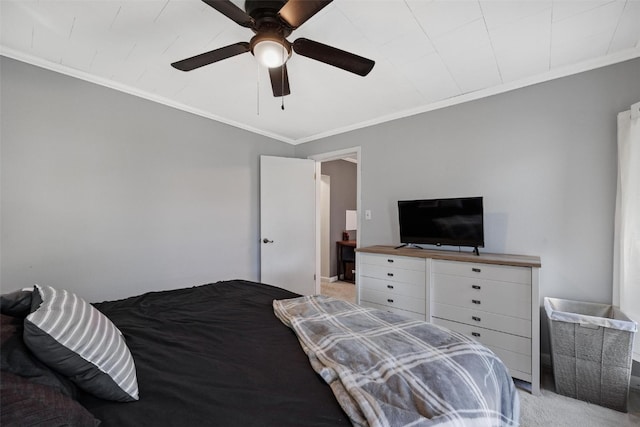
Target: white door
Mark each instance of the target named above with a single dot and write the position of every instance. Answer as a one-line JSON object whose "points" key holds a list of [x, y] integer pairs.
{"points": [[325, 227], [287, 223]]}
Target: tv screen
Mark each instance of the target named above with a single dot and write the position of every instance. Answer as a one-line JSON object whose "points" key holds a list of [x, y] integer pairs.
{"points": [[454, 222]]}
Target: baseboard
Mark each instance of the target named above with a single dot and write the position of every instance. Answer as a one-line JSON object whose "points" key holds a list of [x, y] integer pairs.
{"points": [[330, 279]]}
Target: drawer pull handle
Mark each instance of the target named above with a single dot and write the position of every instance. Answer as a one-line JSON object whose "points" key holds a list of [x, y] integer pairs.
{"points": [[390, 274], [475, 301], [475, 334], [389, 260], [476, 270], [389, 300], [476, 318], [475, 286], [390, 286]]}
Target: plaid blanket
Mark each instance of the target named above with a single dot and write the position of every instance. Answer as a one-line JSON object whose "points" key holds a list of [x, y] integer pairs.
{"points": [[387, 370]]}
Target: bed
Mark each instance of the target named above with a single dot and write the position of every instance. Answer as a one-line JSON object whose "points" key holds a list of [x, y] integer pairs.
{"points": [[240, 353]]}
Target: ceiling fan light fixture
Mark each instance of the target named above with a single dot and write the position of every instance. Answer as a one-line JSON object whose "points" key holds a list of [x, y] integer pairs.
{"points": [[272, 21], [271, 53]]}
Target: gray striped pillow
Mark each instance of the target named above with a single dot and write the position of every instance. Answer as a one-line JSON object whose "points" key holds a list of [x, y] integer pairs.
{"points": [[74, 338]]}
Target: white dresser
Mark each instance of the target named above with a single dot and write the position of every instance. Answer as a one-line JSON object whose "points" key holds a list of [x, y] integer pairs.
{"points": [[493, 298]]}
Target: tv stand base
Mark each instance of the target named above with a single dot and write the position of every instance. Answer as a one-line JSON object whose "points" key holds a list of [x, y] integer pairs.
{"points": [[414, 246], [409, 246]]}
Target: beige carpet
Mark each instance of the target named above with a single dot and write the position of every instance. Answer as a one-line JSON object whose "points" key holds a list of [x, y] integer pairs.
{"points": [[551, 409], [548, 409], [341, 290]]}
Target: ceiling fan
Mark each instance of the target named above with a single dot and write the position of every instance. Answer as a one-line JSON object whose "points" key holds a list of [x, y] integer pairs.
{"points": [[273, 21]]}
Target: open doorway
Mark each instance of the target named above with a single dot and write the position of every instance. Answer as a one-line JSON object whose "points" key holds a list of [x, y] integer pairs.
{"points": [[337, 217]]}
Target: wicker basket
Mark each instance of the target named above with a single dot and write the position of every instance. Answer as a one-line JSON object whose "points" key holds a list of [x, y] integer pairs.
{"points": [[591, 351]]}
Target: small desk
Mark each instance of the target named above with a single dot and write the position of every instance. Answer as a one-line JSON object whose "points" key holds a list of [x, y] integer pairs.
{"points": [[346, 252]]}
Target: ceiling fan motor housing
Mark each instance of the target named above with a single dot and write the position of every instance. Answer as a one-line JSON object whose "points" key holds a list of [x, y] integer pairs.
{"points": [[265, 15], [253, 6]]}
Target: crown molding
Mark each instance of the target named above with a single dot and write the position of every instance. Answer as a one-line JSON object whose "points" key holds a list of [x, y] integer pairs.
{"points": [[553, 74], [62, 69]]}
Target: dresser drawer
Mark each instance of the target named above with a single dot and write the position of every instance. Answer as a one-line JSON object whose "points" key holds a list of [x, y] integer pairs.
{"points": [[401, 262], [489, 337], [401, 302], [519, 365], [501, 273], [405, 313], [415, 290], [497, 322], [393, 274], [509, 299]]}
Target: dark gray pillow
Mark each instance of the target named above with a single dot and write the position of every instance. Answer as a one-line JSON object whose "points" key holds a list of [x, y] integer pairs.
{"points": [[16, 358], [72, 337], [25, 403], [17, 303]]}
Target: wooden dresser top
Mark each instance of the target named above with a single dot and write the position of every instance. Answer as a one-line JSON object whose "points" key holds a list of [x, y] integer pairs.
{"points": [[483, 258]]}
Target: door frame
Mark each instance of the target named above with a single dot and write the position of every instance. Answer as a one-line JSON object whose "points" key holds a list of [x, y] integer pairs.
{"points": [[325, 157], [325, 227]]}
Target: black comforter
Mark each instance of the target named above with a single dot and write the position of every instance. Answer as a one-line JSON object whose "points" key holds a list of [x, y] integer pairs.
{"points": [[215, 355]]}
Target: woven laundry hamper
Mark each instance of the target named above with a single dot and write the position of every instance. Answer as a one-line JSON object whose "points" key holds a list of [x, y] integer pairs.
{"points": [[591, 351]]}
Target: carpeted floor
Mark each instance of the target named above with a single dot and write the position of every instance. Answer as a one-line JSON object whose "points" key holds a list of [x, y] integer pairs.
{"points": [[551, 409], [548, 409], [340, 290]]}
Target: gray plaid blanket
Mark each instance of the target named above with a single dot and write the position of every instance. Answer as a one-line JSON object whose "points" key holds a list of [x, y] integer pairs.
{"points": [[387, 370]]}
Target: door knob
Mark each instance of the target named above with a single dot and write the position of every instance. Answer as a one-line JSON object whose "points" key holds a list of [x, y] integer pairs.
{"points": [[265, 240]]}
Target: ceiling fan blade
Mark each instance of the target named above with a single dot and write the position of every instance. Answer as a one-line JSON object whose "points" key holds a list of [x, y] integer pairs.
{"points": [[279, 80], [212, 56], [333, 56], [297, 12], [231, 11]]}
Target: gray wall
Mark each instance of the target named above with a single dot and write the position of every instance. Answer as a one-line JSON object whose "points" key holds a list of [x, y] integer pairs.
{"points": [[343, 196], [110, 195], [543, 158]]}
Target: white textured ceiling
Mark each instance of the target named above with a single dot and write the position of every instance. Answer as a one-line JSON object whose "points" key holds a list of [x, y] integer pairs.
{"points": [[428, 54]]}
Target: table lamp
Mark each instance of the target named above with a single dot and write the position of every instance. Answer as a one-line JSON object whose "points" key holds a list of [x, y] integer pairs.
{"points": [[351, 223]]}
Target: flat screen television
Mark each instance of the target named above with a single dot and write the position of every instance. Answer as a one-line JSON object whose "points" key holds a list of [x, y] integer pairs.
{"points": [[453, 222]]}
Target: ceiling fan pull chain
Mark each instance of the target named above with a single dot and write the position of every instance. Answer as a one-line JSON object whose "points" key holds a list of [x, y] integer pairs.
{"points": [[282, 75], [257, 89]]}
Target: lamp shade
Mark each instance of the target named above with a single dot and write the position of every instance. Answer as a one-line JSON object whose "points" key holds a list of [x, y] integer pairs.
{"points": [[351, 220], [270, 53]]}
